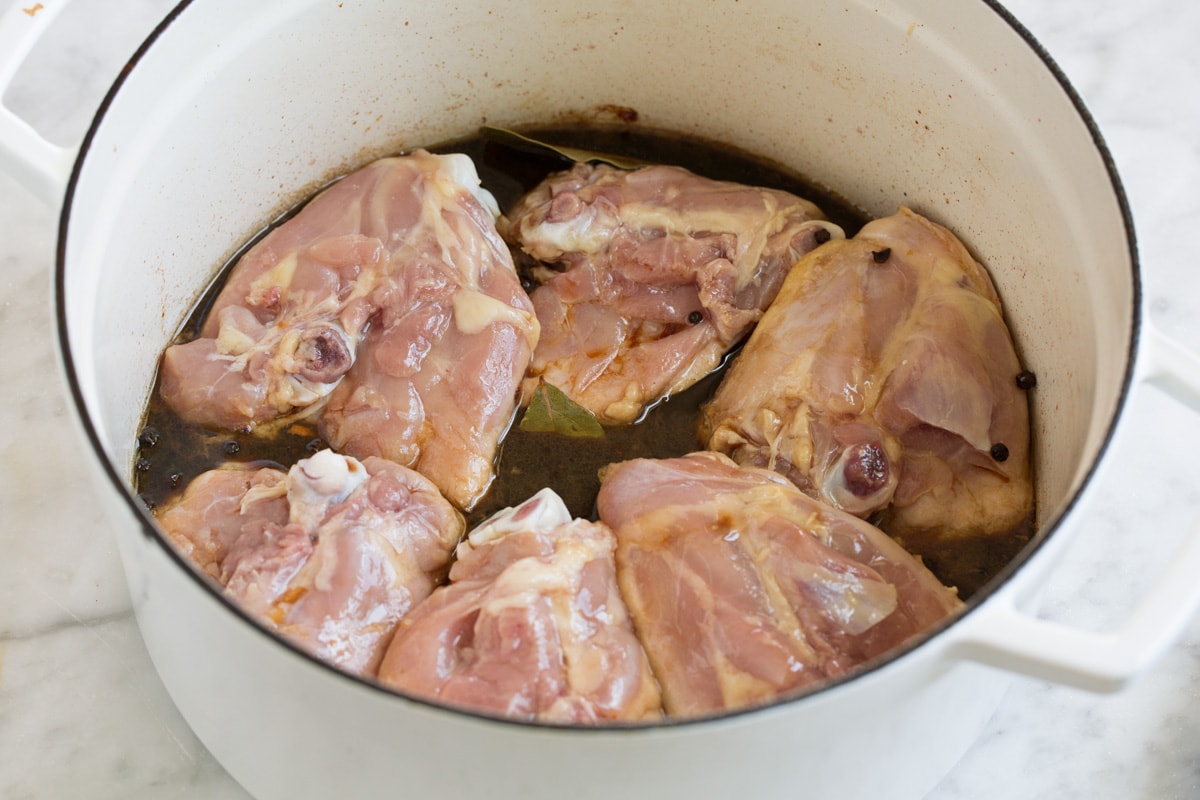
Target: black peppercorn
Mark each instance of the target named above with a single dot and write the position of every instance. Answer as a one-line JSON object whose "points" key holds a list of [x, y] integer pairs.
{"points": [[1026, 380], [1000, 452], [142, 465], [695, 318], [881, 256], [232, 448], [175, 479], [148, 438]]}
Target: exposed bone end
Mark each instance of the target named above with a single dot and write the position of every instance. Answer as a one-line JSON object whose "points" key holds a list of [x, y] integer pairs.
{"points": [[315, 483], [541, 513], [323, 355], [862, 480]]}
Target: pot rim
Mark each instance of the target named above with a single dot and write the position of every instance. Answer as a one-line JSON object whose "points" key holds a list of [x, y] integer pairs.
{"points": [[150, 529]]}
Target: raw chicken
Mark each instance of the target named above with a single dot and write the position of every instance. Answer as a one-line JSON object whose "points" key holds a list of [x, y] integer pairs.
{"points": [[391, 298], [285, 327], [219, 507], [531, 626], [742, 588], [331, 554], [662, 271], [884, 381], [438, 375]]}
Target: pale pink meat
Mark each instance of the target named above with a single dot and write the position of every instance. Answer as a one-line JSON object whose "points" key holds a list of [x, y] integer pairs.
{"points": [[650, 276], [389, 305], [331, 554], [285, 327], [742, 588], [531, 626], [883, 380], [438, 375], [221, 506]]}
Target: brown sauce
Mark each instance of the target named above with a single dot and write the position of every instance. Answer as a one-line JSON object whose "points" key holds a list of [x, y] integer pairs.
{"points": [[173, 452]]}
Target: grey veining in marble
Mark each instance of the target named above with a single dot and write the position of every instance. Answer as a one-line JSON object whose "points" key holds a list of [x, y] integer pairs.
{"points": [[82, 714]]}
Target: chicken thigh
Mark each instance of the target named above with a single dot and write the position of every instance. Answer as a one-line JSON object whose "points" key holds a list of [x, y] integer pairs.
{"points": [[742, 588], [437, 379], [331, 554], [884, 381], [649, 276], [531, 626], [285, 327], [389, 304]]}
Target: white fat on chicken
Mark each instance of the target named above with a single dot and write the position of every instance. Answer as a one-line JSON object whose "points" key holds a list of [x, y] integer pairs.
{"points": [[531, 626], [649, 276], [744, 589], [331, 554], [475, 312], [883, 380], [460, 169], [435, 383]]}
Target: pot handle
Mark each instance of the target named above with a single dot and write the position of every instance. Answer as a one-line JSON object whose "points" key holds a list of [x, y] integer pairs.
{"points": [[1003, 636], [41, 166]]}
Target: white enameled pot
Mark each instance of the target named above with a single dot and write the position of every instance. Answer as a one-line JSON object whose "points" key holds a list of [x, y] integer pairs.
{"points": [[232, 111]]}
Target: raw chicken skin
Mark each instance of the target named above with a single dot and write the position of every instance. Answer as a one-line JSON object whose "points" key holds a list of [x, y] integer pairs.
{"points": [[286, 326], [883, 381], [662, 271], [742, 588], [437, 378], [531, 626], [331, 554], [390, 303]]}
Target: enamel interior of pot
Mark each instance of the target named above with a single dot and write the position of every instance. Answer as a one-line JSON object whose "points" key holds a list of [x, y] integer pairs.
{"points": [[235, 113]]}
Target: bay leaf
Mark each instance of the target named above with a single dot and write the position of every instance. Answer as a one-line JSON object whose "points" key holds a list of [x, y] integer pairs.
{"points": [[551, 411]]}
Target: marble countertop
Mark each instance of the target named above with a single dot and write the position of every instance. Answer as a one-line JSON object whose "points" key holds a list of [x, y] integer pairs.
{"points": [[82, 713]]}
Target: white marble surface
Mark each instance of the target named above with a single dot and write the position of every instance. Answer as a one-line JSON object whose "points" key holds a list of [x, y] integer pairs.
{"points": [[82, 713]]}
